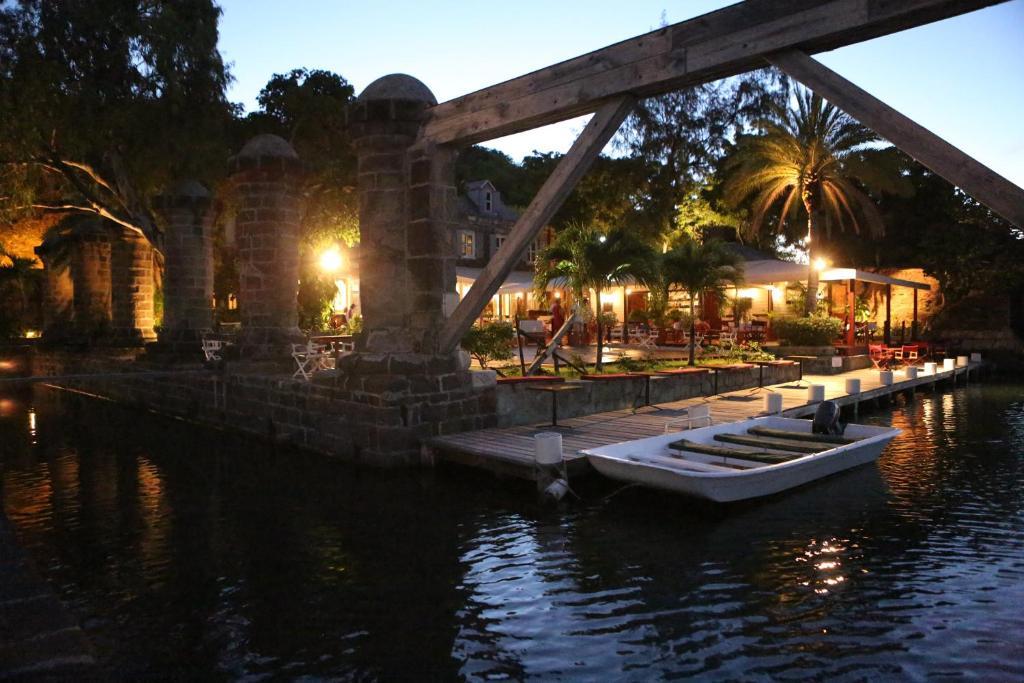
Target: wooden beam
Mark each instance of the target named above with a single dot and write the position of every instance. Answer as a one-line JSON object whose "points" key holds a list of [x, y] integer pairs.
{"points": [[548, 200], [712, 46], [973, 177]]}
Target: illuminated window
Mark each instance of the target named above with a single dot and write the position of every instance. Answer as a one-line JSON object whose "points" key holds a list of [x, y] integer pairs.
{"points": [[534, 249], [467, 244], [232, 302]]}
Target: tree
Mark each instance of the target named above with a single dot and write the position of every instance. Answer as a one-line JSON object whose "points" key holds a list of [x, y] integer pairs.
{"points": [[700, 267], [103, 103], [809, 156], [588, 258], [681, 136]]}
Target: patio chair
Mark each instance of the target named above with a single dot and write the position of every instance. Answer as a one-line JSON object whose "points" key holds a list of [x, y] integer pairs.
{"points": [[309, 358], [213, 348], [881, 357], [648, 339], [727, 339], [698, 413], [618, 334], [907, 353]]}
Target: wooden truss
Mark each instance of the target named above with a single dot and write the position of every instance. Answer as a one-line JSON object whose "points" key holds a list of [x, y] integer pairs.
{"points": [[733, 40]]}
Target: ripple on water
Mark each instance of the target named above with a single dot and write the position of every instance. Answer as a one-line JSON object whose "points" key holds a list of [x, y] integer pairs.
{"points": [[250, 566]]}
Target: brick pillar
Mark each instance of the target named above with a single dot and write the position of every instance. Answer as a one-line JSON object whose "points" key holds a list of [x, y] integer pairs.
{"points": [[58, 288], [132, 289], [408, 389], [90, 273], [266, 175], [188, 264]]}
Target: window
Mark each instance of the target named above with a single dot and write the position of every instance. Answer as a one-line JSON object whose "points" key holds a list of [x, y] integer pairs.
{"points": [[467, 244], [498, 241], [487, 202], [532, 251]]}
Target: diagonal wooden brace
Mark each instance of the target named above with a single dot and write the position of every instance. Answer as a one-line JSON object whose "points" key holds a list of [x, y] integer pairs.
{"points": [[548, 200], [970, 175]]}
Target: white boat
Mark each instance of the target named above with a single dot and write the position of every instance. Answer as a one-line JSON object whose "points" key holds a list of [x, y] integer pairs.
{"points": [[739, 460]]}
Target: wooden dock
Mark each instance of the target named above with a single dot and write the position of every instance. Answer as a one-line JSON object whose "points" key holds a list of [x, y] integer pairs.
{"points": [[509, 450]]}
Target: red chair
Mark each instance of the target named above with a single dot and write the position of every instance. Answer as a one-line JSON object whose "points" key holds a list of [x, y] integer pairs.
{"points": [[881, 357], [907, 353]]}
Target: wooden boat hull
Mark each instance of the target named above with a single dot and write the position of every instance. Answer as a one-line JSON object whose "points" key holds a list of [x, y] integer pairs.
{"points": [[650, 461]]}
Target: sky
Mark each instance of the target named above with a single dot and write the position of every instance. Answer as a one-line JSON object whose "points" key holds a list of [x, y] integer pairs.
{"points": [[962, 78]]}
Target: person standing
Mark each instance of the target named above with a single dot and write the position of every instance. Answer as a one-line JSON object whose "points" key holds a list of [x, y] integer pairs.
{"points": [[557, 317]]}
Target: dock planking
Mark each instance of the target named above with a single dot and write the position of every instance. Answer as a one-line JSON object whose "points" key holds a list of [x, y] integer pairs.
{"points": [[508, 451]]}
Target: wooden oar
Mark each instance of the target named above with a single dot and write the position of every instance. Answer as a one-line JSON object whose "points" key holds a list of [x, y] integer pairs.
{"points": [[776, 444], [722, 452], [799, 436]]}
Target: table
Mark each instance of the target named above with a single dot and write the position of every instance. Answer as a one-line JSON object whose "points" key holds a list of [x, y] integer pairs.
{"points": [[647, 387], [554, 390]]}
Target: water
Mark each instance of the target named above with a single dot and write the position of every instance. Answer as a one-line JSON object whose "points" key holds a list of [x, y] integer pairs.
{"points": [[209, 557]]}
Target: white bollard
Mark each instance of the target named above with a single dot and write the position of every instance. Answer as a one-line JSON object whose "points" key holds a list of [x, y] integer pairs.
{"points": [[975, 357], [961, 361], [816, 393], [929, 368], [837, 361], [948, 364], [885, 376], [912, 372], [853, 386], [773, 403], [547, 448]]}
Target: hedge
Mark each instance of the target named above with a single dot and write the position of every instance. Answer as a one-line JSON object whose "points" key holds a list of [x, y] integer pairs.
{"points": [[812, 331]]}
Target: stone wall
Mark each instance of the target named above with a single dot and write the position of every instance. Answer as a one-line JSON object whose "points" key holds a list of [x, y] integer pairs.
{"points": [[518, 405], [350, 417]]}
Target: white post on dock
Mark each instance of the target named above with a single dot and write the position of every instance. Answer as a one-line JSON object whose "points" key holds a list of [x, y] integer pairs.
{"points": [[911, 372], [929, 368], [816, 393], [885, 377], [961, 361], [773, 403], [948, 364], [853, 389]]}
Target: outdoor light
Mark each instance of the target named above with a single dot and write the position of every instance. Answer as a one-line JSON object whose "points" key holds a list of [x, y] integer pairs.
{"points": [[601, 239], [820, 264], [330, 260]]}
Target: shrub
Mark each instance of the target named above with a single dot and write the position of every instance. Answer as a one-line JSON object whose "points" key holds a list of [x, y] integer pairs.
{"points": [[490, 342], [812, 331]]}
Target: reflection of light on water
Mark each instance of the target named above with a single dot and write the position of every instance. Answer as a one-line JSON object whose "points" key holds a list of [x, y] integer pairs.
{"points": [[32, 424], [826, 558], [7, 407]]}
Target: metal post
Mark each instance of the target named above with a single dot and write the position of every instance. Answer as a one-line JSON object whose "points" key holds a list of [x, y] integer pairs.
{"points": [[913, 325], [888, 315]]}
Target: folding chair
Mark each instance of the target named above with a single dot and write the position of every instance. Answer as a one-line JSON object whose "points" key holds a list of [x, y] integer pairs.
{"points": [[648, 340], [309, 358], [698, 413]]}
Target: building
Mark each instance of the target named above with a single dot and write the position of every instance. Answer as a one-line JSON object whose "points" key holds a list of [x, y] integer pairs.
{"points": [[482, 224]]}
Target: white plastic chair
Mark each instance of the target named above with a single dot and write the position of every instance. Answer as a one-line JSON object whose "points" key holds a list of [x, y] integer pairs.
{"points": [[694, 414], [727, 340], [212, 348]]}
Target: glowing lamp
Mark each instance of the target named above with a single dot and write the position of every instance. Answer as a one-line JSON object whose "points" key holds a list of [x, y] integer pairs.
{"points": [[820, 264], [330, 260]]}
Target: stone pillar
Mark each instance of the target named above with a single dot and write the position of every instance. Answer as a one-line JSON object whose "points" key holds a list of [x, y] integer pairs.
{"points": [[406, 388], [266, 175], [90, 272], [132, 289], [188, 264], [59, 289]]}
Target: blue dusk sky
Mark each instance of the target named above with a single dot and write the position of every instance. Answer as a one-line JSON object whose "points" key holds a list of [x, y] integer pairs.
{"points": [[963, 78]]}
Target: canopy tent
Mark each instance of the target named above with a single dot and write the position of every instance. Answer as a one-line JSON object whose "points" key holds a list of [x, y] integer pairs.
{"points": [[517, 280]]}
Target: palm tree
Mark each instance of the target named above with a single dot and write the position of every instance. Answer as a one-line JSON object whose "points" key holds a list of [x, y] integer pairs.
{"points": [[700, 267], [812, 152], [587, 258]]}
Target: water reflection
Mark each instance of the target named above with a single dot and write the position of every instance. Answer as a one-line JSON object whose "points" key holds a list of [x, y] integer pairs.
{"points": [[215, 558]]}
